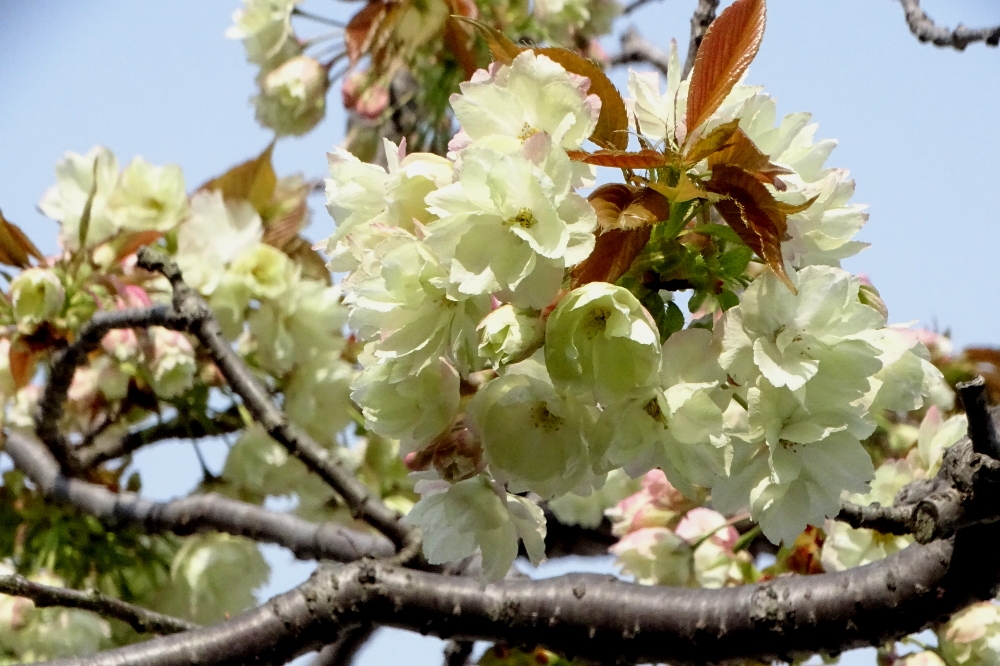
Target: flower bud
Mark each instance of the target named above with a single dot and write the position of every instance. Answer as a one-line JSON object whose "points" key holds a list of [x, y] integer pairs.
{"points": [[37, 296], [292, 98], [368, 100], [173, 366], [600, 338], [972, 636], [869, 295], [8, 385], [507, 335]]}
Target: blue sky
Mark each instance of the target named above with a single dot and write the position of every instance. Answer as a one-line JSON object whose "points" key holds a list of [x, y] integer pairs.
{"points": [[917, 127]]}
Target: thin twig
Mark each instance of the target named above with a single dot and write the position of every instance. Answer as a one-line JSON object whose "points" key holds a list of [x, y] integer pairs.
{"points": [[635, 48], [457, 653], [342, 652], [140, 619], [191, 312], [634, 5], [924, 29], [178, 427], [703, 16]]}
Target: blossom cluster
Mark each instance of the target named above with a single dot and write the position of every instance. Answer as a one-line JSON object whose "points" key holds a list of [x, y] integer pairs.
{"points": [[284, 318], [501, 379]]}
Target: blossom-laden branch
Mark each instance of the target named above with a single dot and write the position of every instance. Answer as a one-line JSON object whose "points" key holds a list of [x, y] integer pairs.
{"points": [[140, 619], [924, 29], [190, 313], [197, 513], [64, 364], [613, 621]]}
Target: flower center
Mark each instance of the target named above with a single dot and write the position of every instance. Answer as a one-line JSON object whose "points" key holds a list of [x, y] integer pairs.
{"points": [[596, 321], [527, 131], [544, 419], [524, 219], [653, 409]]}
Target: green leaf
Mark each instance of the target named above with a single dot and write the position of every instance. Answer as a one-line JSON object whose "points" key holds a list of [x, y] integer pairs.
{"points": [[727, 299], [673, 321], [723, 231], [735, 261]]}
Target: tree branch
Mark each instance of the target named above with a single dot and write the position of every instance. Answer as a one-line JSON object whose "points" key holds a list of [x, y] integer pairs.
{"points": [[342, 652], [982, 431], [634, 5], [885, 519], [197, 513], [703, 16], [177, 428], [635, 48], [190, 311], [65, 363], [457, 653], [140, 619], [924, 29], [602, 618]]}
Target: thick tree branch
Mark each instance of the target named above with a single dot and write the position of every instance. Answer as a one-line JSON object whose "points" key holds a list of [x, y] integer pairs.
{"points": [[197, 513], [703, 16], [924, 29], [604, 619], [140, 619], [176, 428], [191, 311], [635, 48]]}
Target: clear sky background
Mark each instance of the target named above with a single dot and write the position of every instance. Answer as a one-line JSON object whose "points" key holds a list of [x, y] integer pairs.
{"points": [[917, 126]]}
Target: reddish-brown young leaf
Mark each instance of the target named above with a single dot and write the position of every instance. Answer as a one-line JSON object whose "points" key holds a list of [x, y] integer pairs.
{"points": [[608, 202], [466, 8], [286, 212], [755, 216], [643, 159], [22, 359], [253, 180], [742, 152], [501, 48], [711, 143], [309, 260], [612, 123], [131, 243], [460, 44], [612, 257], [363, 28], [724, 55], [15, 247], [647, 208]]}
